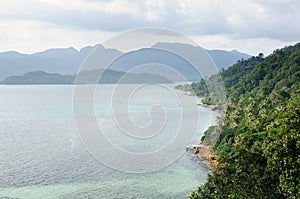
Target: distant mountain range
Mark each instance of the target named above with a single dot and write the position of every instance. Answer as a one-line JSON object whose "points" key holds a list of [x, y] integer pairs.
{"points": [[66, 61]]}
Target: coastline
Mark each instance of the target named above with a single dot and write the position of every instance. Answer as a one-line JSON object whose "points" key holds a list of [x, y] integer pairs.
{"points": [[205, 154], [212, 107], [203, 150]]}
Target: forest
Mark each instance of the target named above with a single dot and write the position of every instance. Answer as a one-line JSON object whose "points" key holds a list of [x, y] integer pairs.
{"points": [[258, 142]]}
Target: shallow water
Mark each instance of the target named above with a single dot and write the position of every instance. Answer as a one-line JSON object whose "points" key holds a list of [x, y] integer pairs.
{"points": [[41, 155]]}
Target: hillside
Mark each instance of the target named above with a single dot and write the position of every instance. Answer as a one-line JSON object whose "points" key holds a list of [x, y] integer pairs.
{"points": [[222, 58], [58, 60], [67, 60], [259, 144]]}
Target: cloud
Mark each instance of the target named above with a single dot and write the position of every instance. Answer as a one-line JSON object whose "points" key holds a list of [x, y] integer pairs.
{"points": [[29, 36], [247, 20], [240, 19], [252, 46]]}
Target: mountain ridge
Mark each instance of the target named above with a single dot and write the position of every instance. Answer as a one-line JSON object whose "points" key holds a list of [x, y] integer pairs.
{"points": [[68, 60]]}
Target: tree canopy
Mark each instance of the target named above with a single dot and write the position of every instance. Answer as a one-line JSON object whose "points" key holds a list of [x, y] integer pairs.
{"points": [[259, 145]]}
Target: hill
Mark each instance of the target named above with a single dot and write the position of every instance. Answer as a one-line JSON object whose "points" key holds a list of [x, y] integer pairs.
{"points": [[60, 60], [67, 60], [258, 146], [222, 58], [85, 77]]}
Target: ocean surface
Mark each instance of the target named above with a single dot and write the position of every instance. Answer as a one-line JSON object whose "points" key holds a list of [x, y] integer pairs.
{"points": [[42, 156]]}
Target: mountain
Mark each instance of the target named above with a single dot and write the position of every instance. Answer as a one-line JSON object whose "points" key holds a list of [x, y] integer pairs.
{"points": [[60, 60], [258, 139], [39, 77], [157, 58], [68, 60], [222, 58], [85, 77]]}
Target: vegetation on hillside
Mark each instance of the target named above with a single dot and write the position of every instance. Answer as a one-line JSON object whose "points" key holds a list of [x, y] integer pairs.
{"points": [[259, 144]]}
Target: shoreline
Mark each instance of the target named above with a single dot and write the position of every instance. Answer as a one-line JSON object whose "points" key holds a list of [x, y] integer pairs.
{"points": [[212, 107], [205, 154], [204, 151]]}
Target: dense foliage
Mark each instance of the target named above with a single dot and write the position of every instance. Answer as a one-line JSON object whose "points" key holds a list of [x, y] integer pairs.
{"points": [[259, 144]]}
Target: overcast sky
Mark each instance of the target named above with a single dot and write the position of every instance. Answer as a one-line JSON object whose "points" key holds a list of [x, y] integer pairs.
{"points": [[251, 26]]}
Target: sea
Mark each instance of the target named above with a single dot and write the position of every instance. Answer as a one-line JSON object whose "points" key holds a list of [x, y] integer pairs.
{"points": [[42, 154]]}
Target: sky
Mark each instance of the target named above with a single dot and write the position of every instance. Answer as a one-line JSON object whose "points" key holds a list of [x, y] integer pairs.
{"points": [[250, 26]]}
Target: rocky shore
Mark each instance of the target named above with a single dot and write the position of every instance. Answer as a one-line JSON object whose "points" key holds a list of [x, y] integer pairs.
{"points": [[206, 154], [212, 107]]}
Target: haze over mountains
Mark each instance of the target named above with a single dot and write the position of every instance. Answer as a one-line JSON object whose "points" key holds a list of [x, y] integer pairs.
{"points": [[68, 60]]}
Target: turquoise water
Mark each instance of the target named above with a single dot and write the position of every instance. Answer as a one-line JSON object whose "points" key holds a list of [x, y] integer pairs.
{"points": [[41, 155]]}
